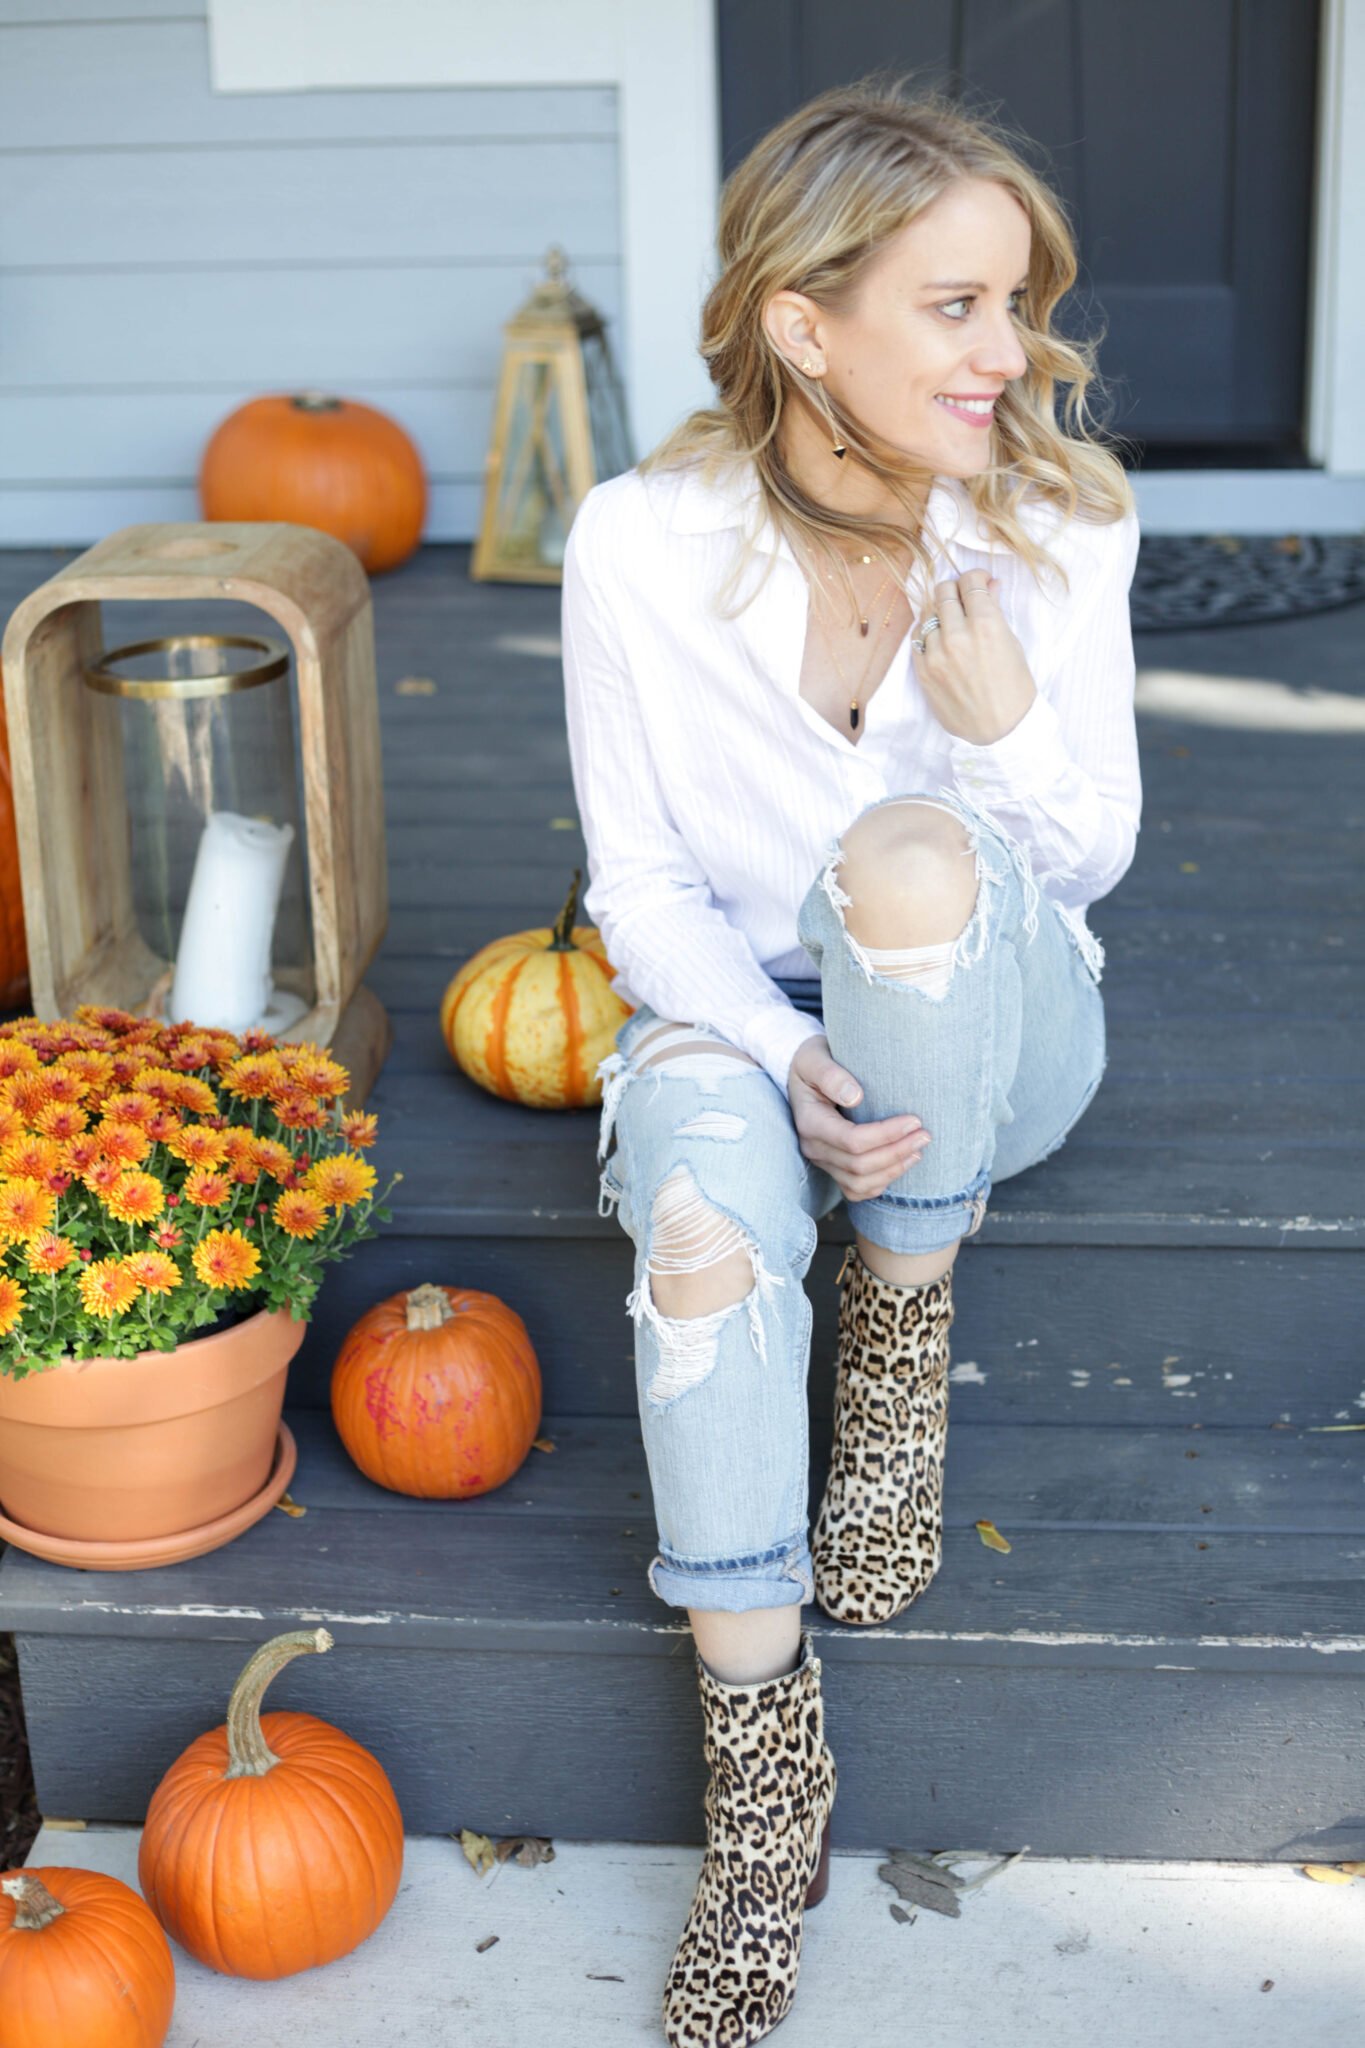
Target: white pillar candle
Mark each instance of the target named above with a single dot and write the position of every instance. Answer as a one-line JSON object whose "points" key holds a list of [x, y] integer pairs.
{"points": [[222, 969]]}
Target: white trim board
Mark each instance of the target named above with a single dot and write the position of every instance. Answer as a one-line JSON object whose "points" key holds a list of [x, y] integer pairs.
{"points": [[662, 61], [1248, 501]]}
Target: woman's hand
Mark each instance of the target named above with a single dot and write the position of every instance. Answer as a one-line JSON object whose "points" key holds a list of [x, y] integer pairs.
{"points": [[863, 1158], [973, 670]]}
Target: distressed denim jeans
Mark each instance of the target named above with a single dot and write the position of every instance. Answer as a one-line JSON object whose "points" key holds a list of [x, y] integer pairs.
{"points": [[707, 1160]]}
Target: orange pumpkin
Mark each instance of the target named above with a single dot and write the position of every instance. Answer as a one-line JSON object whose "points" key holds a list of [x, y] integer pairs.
{"points": [[274, 1843], [437, 1392], [14, 988], [83, 1963], [530, 1016], [317, 460]]}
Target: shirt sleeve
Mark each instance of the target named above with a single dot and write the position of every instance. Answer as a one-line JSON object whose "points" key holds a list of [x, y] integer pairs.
{"points": [[671, 944], [1066, 780]]}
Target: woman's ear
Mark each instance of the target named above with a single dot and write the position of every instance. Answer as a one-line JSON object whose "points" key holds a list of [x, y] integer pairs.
{"points": [[792, 323]]}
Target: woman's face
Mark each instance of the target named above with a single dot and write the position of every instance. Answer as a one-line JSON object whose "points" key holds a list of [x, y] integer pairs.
{"points": [[935, 317]]}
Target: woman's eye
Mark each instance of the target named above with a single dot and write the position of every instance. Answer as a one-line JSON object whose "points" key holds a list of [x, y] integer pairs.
{"points": [[971, 302]]}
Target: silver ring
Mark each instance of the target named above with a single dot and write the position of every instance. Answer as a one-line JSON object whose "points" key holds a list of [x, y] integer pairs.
{"points": [[931, 625]]}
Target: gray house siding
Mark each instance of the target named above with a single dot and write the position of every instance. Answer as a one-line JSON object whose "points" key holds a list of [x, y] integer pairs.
{"points": [[167, 253]]}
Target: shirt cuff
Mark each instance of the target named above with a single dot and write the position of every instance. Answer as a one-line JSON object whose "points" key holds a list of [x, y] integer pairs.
{"points": [[1025, 760], [773, 1035]]}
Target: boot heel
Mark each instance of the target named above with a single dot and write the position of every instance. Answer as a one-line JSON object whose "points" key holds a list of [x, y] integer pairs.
{"points": [[819, 1884]]}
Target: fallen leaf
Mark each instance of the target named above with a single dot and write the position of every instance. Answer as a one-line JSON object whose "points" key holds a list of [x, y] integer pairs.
{"points": [[527, 1849], [479, 1849], [1189, 867], [288, 1506], [1326, 1873], [922, 1883], [991, 1536], [1356, 1869], [66, 1827], [564, 825], [906, 1919], [415, 686], [542, 1443]]}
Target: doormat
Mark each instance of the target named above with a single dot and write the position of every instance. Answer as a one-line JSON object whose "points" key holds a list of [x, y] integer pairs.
{"points": [[1227, 579]]}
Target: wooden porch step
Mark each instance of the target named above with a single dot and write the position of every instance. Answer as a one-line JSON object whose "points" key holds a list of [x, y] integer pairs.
{"points": [[1169, 1661]]}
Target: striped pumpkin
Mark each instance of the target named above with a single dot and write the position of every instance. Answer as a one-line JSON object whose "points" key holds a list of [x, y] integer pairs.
{"points": [[530, 1016]]}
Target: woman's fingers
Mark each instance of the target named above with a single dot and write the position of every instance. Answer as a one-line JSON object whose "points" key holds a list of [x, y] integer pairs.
{"points": [[873, 1171]]}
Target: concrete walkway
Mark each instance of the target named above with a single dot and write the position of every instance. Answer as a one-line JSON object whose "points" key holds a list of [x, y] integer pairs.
{"points": [[1047, 1954]]}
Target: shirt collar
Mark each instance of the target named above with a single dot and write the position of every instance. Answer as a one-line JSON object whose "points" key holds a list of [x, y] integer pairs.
{"points": [[688, 504]]}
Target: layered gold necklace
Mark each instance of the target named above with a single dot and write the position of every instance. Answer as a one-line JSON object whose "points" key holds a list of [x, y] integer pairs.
{"points": [[864, 627]]}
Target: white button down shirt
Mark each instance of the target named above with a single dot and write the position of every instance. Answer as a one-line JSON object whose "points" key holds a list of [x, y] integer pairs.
{"points": [[709, 790]]}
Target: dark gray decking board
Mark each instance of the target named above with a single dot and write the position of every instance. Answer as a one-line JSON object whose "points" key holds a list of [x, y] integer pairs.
{"points": [[1045, 1476], [1076, 1757], [1090, 1193], [1267, 1337], [463, 1578]]}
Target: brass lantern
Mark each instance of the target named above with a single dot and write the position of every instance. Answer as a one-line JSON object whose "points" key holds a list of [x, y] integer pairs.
{"points": [[559, 427], [200, 814]]}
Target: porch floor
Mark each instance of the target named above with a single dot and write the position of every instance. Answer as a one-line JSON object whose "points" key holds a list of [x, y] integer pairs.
{"points": [[1046, 1954]]}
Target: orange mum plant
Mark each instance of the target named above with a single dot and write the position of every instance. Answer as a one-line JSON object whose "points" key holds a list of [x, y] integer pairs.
{"points": [[155, 1176]]}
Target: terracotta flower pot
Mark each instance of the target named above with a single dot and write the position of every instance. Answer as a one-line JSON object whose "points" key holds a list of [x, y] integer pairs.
{"points": [[111, 1448]]}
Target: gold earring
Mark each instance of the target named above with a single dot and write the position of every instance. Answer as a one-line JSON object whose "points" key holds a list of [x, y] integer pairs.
{"points": [[838, 447]]}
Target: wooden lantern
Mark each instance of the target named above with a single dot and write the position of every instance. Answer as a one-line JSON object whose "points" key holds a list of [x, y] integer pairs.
{"points": [[79, 818], [559, 427]]}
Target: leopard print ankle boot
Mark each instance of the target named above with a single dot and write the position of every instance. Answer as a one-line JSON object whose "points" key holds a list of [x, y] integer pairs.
{"points": [[767, 1807], [878, 1538]]}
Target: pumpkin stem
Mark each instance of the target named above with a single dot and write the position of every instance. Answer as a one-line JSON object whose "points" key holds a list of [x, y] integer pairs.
{"points": [[249, 1754], [561, 939], [428, 1307], [37, 1907]]}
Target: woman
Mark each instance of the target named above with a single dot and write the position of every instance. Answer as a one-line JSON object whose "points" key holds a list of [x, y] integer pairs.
{"points": [[849, 683]]}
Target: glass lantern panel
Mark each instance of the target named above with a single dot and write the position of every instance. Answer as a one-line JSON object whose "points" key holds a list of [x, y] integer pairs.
{"points": [[232, 758], [534, 512], [611, 446]]}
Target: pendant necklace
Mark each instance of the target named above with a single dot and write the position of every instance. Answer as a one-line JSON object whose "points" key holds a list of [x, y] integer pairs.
{"points": [[853, 710]]}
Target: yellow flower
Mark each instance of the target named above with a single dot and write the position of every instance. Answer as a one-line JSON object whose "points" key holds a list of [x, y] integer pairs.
{"points": [[300, 1213], [17, 1058], [320, 1075], [46, 1252], [11, 1303], [360, 1127], [254, 1075], [66, 1086], [340, 1180], [136, 1198], [124, 1141], [28, 1093], [107, 1288], [154, 1272], [134, 1107], [206, 1188], [32, 1158], [197, 1145], [26, 1207], [268, 1155], [224, 1259], [196, 1096], [62, 1120], [80, 1153]]}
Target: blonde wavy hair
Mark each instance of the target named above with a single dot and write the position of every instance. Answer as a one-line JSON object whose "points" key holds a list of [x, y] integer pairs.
{"points": [[808, 210]]}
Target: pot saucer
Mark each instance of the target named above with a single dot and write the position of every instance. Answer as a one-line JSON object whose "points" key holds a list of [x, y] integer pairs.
{"points": [[139, 1554]]}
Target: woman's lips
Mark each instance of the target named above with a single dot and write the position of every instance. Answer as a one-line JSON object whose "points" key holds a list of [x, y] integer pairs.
{"points": [[973, 419]]}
